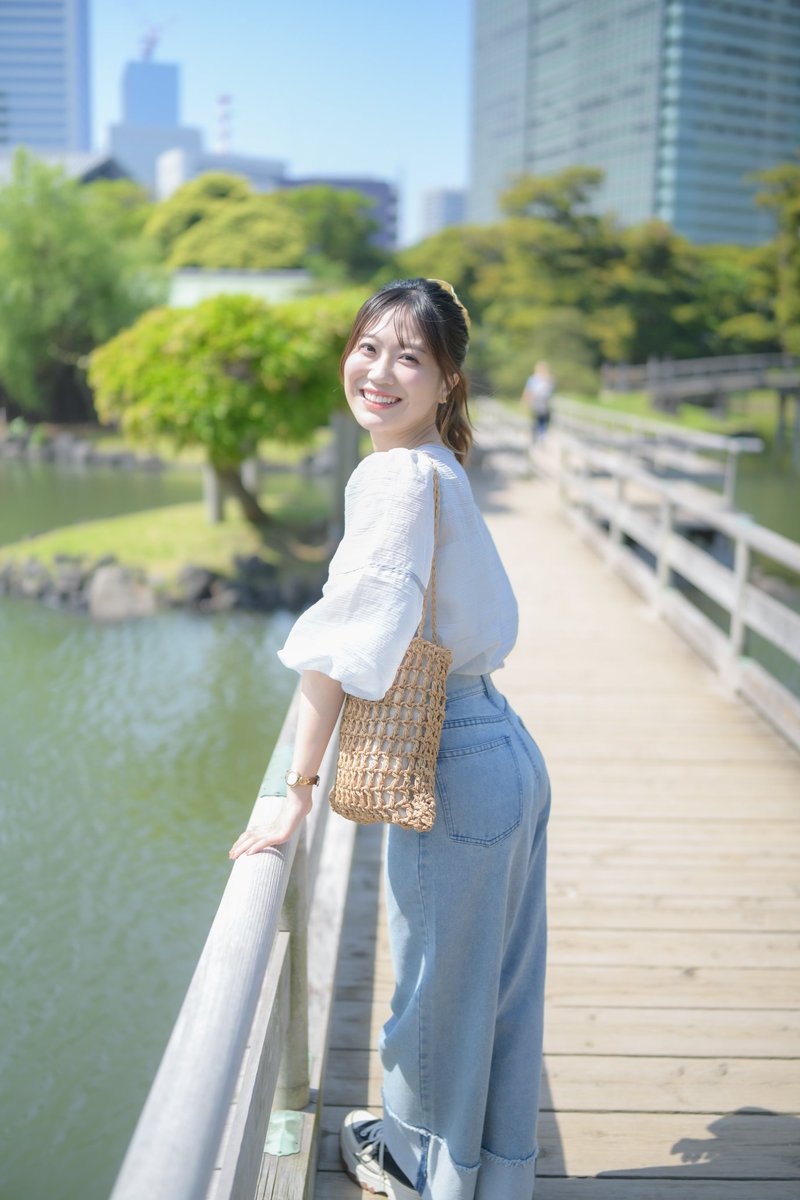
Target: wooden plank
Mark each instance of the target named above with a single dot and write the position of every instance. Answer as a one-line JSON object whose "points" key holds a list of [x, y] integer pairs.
{"points": [[638, 1031], [663, 881], [674, 948], [609, 1083], [690, 987], [566, 910], [677, 1146]]}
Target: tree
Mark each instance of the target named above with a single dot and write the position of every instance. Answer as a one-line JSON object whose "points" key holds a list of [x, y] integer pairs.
{"points": [[225, 374], [782, 193], [258, 233], [339, 228], [192, 203], [73, 271]]}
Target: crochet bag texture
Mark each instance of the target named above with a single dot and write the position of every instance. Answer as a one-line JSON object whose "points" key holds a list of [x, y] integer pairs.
{"points": [[386, 769]]}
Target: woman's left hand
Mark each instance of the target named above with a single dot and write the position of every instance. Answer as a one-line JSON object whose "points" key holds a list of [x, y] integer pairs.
{"points": [[288, 813]]}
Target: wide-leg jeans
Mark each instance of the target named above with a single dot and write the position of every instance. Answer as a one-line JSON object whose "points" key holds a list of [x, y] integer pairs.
{"points": [[462, 1050]]}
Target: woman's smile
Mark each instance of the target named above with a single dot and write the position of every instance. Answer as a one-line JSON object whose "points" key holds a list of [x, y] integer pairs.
{"points": [[378, 400]]}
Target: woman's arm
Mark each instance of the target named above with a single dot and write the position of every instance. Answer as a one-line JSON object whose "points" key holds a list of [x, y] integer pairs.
{"points": [[321, 699]]}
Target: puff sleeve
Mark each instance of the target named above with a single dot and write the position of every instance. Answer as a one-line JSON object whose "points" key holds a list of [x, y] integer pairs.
{"points": [[372, 600]]}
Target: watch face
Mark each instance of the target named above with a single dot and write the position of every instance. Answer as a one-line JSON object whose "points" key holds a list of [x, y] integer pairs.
{"points": [[292, 778]]}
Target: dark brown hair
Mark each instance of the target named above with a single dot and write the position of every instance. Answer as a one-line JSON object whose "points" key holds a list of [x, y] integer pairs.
{"points": [[443, 328]]}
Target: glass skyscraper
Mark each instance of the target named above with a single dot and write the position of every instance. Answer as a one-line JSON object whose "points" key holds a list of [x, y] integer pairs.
{"points": [[677, 100], [44, 75]]}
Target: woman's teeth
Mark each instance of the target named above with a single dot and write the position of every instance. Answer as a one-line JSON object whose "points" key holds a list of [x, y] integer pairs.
{"points": [[375, 398]]}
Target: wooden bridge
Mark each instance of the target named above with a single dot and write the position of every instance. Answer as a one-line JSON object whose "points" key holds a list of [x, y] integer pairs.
{"points": [[672, 1029]]}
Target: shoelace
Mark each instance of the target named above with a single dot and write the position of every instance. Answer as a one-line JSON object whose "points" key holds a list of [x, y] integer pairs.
{"points": [[370, 1131]]}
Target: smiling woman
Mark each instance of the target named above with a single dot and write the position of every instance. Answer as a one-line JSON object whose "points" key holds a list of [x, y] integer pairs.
{"points": [[462, 1051], [402, 367]]}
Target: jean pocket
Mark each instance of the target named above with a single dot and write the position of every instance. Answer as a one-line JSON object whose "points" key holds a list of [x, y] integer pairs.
{"points": [[480, 789]]}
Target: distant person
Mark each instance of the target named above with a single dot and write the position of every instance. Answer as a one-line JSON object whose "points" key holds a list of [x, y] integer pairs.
{"points": [[536, 396]]}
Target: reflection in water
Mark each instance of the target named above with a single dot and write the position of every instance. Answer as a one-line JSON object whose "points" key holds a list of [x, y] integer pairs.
{"points": [[131, 755]]}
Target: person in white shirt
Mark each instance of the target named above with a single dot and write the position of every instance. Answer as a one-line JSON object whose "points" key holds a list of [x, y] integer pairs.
{"points": [[462, 1050], [537, 396]]}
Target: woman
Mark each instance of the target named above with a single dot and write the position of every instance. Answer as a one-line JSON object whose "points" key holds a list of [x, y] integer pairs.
{"points": [[461, 1052]]}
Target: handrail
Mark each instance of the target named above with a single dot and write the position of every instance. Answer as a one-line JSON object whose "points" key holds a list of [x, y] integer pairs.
{"points": [[581, 417], [576, 409], [749, 605], [241, 984]]}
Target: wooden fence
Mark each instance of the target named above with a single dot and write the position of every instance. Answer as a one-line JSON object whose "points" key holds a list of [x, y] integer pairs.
{"points": [[252, 1031], [596, 484]]}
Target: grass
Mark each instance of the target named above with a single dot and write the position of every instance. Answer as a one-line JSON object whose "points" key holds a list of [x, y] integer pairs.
{"points": [[163, 540]]}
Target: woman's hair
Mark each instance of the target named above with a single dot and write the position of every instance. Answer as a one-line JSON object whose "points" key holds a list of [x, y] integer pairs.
{"points": [[442, 325]]}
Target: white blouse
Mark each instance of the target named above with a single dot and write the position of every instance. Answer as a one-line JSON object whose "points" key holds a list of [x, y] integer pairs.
{"points": [[372, 600]]}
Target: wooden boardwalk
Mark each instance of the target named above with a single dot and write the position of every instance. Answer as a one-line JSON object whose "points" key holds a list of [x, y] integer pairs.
{"points": [[672, 1029]]}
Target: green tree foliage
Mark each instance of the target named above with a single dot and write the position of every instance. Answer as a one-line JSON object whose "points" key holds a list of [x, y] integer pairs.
{"points": [[552, 280], [782, 193], [258, 233], [218, 221], [192, 203], [225, 374], [73, 270], [338, 227]]}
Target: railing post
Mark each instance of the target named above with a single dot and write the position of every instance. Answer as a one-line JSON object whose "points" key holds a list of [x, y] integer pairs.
{"points": [[741, 570], [615, 528], [731, 464], [562, 472], [662, 563], [293, 1079]]}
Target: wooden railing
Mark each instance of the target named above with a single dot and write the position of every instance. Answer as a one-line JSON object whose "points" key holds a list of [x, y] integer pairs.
{"points": [[246, 1038], [722, 372], [606, 516], [659, 442]]}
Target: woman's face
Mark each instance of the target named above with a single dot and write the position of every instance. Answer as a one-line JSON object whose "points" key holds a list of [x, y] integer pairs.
{"points": [[394, 389]]}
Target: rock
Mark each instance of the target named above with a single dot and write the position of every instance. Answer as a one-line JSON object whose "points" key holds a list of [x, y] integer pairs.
{"points": [[254, 569], [114, 594], [32, 579], [222, 599], [195, 584]]}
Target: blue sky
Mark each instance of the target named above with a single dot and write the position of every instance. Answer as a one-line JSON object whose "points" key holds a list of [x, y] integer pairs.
{"points": [[329, 86]]}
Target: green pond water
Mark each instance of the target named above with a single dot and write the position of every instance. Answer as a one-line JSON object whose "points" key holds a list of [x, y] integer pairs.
{"points": [[130, 756]]}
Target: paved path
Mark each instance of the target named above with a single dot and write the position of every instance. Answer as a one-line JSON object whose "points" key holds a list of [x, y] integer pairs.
{"points": [[672, 1031]]}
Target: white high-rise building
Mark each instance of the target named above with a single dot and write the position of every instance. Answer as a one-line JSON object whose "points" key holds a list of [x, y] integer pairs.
{"points": [[44, 76]]}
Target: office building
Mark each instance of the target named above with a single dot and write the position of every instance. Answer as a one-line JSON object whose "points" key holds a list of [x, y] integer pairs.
{"points": [[44, 76], [151, 120], [441, 208], [678, 101]]}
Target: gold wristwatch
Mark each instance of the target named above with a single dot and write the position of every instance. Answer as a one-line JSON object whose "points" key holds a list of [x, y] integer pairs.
{"points": [[295, 779]]}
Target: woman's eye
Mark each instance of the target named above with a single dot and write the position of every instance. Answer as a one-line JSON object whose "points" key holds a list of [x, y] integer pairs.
{"points": [[410, 357], [366, 346]]}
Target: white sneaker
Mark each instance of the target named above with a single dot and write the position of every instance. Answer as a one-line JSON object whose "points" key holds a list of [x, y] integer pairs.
{"points": [[367, 1160]]}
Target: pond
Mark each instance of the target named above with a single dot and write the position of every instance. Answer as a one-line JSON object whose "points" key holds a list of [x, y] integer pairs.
{"points": [[130, 757]]}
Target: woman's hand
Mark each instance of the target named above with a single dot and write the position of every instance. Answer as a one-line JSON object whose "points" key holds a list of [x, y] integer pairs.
{"points": [[286, 815]]}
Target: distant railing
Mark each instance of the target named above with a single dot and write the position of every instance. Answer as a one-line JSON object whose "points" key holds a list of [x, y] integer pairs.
{"points": [[659, 442], [606, 516], [693, 376], [246, 1033]]}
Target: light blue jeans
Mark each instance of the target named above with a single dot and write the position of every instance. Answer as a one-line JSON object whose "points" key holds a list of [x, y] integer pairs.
{"points": [[462, 1051]]}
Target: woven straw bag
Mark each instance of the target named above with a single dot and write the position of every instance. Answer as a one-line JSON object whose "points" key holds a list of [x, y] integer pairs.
{"points": [[387, 748]]}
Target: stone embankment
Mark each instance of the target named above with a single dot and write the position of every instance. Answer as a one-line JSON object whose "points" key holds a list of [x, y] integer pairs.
{"points": [[71, 448], [108, 590]]}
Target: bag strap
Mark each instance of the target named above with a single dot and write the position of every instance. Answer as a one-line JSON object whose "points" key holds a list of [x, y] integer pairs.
{"points": [[431, 588]]}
